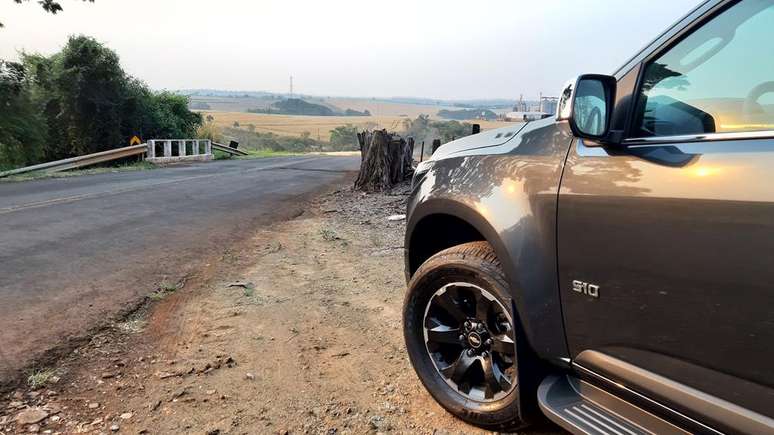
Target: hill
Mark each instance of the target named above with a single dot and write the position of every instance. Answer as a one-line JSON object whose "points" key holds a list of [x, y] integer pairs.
{"points": [[297, 106]]}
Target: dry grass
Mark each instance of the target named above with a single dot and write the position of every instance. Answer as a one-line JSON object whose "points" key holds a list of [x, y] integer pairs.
{"points": [[296, 125], [39, 378], [316, 126], [386, 108]]}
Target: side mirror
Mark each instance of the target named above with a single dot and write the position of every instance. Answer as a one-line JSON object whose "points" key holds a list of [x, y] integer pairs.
{"points": [[587, 104]]}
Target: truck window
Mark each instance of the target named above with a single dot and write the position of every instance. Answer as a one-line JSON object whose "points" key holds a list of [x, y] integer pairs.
{"points": [[718, 79]]}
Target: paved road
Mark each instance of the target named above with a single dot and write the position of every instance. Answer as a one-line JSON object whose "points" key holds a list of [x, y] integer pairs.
{"points": [[75, 251]]}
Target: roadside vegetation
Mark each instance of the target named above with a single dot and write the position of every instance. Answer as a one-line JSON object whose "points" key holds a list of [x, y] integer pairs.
{"points": [[39, 378], [80, 101], [299, 134], [425, 129]]}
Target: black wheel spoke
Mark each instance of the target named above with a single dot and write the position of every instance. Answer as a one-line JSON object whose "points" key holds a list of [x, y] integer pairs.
{"points": [[504, 345], [451, 307], [482, 307], [492, 386], [457, 370], [444, 334], [502, 378], [469, 337]]}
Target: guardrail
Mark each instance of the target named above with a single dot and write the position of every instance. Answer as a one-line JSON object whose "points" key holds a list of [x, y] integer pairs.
{"points": [[81, 161], [170, 150], [228, 149]]}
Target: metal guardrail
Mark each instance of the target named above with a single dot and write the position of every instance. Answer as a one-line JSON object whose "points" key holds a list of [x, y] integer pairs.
{"points": [[81, 161], [228, 149]]}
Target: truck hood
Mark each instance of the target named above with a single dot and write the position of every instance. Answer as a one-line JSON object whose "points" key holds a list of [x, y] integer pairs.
{"points": [[484, 139]]}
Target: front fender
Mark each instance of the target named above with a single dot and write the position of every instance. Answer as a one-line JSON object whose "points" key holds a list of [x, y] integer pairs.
{"points": [[509, 195]]}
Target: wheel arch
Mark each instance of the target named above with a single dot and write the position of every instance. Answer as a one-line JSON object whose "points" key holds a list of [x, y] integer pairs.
{"points": [[442, 223], [430, 224], [427, 234]]}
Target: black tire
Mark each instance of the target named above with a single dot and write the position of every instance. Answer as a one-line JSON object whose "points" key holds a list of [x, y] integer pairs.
{"points": [[474, 263]]}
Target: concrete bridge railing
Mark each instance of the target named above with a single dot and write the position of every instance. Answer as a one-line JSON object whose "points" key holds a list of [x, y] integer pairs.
{"points": [[175, 150]]}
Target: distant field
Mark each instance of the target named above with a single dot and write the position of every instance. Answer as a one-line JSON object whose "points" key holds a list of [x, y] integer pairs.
{"points": [[384, 108], [296, 125], [376, 107], [316, 126]]}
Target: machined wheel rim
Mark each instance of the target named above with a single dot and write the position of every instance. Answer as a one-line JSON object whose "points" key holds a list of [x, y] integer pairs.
{"points": [[469, 337]]}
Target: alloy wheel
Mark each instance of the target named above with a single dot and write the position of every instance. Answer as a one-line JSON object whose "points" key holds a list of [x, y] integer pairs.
{"points": [[469, 337]]}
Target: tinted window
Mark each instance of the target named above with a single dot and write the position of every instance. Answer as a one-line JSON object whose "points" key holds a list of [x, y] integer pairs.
{"points": [[718, 79]]}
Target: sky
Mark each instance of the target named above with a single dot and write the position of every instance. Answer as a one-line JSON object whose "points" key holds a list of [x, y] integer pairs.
{"points": [[445, 49]]}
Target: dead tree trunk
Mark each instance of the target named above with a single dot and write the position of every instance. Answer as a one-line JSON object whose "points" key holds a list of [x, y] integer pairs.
{"points": [[386, 160]]}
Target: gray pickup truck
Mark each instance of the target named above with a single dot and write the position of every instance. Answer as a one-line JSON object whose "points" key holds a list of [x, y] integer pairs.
{"points": [[610, 267]]}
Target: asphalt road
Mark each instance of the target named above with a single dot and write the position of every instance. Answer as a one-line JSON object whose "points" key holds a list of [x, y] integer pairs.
{"points": [[76, 251]]}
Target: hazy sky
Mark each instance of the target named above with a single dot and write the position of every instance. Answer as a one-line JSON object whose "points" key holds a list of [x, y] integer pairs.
{"points": [[439, 49]]}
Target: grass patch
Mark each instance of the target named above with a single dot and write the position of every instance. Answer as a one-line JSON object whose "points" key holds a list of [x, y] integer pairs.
{"points": [[329, 235], [39, 175], [133, 326], [253, 154], [40, 378], [167, 287], [164, 290]]}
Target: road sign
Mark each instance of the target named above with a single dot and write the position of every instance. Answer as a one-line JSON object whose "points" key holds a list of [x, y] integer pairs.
{"points": [[135, 141]]}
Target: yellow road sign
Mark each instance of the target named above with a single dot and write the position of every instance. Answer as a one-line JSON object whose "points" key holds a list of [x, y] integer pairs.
{"points": [[135, 141]]}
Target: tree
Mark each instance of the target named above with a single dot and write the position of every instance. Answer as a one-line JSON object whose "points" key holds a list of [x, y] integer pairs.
{"points": [[90, 86], [22, 129], [51, 6], [173, 117], [450, 130], [344, 138], [80, 101]]}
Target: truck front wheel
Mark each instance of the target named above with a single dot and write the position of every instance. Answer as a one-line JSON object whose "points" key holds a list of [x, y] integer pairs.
{"points": [[459, 332]]}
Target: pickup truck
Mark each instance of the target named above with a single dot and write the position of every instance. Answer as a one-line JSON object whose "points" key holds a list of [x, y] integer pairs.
{"points": [[611, 267]]}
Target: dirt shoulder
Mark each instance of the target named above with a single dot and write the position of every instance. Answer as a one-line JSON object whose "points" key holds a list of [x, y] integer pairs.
{"points": [[297, 329]]}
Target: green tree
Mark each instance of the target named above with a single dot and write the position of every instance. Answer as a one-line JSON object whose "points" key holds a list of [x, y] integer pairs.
{"points": [[344, 138], [450, 130], [22, 129], [90, 86], [174, 120], [80, 101]]}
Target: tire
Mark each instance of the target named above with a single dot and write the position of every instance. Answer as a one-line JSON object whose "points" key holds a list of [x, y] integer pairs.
{"points": [[456, 274]]}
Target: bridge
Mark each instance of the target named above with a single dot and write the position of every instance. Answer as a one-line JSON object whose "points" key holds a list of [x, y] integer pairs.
{"points": [[155, 150]]}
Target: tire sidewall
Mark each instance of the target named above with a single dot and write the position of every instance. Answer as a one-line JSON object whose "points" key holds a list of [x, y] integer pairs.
{"points": [[434, 274]]}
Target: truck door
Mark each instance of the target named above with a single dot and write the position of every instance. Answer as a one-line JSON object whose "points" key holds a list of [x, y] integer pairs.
{"points": [[666, 244]]}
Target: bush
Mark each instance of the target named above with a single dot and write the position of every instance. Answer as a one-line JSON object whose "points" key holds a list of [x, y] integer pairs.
{"points": [[344, 138], [423, 129]]}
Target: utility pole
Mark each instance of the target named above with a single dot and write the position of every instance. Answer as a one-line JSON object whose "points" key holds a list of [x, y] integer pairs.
{"points": [[291, 86]]}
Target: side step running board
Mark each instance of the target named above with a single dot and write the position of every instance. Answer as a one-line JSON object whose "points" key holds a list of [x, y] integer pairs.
{"points": [[582, 408]]}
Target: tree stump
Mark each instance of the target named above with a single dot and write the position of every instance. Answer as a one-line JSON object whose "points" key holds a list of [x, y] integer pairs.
{"points": [[386, 160]]}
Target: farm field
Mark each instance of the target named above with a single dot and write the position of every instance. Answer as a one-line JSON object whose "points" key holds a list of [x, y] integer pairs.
{"points": [[376, 106], [317, 126]]}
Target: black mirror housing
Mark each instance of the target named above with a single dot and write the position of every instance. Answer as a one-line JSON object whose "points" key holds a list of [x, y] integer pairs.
{"points": [[587, 102]]}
